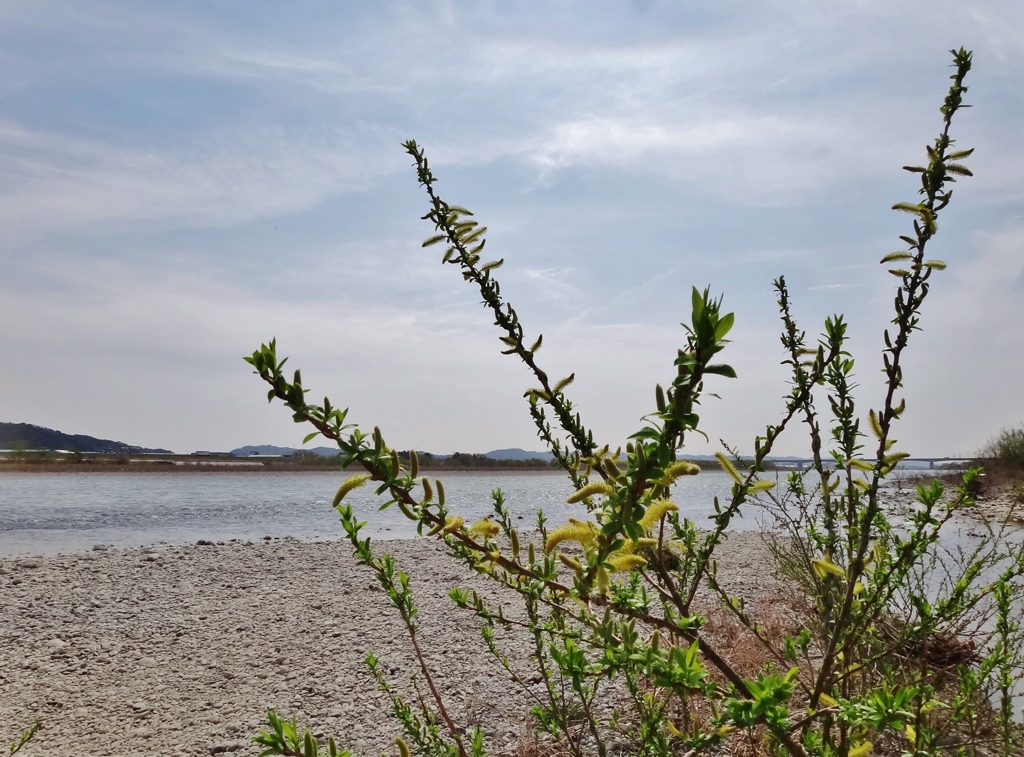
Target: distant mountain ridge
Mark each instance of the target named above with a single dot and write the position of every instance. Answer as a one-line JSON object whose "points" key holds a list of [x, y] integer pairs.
{"points": [[29, 436], [270, 449], [513, 453], [13, 435]]}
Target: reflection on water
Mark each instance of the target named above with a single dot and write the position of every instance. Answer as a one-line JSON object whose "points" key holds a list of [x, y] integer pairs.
{"points": [[66, 512]]}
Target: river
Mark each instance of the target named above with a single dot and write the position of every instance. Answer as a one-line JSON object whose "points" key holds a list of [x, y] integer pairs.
{"points": [[43, 513]]}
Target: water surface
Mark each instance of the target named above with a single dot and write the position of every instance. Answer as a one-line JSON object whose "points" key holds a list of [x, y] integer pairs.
{"points": [[68, 512]]}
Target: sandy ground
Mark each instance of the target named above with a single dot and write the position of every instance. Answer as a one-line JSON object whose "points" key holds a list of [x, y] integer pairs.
{"points": [[180, 650]]}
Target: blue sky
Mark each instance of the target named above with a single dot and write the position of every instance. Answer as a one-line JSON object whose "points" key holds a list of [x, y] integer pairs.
{"points": [[179, 182]]}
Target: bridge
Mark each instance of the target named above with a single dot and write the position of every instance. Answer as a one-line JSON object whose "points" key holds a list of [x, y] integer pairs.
{"points": [[800, 463]]}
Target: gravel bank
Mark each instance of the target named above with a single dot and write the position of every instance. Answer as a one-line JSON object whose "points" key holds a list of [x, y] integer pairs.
{"points": [[180, 650], [997, 501]]}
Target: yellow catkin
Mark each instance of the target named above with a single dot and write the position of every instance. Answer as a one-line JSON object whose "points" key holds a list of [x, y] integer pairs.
{"points": [[453, 524], [861, 750], [826, 700], [874, 424], [587, 524], [406, 511], [655, 512], [626, 562], [485, 527], [680, 468], [403, 748], [891, 460], [436, 529], [825, 566], [595, 487], [569, 562], [353, 482], [761, 486], [611, 468], [577, 531], [728, 467]]}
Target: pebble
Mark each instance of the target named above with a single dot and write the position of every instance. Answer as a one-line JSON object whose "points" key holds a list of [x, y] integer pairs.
{"points": [[229, 746]]}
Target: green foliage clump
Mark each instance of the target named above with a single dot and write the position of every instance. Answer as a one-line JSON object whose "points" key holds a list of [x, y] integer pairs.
{"points": [[877, 661], [1007, 447]]}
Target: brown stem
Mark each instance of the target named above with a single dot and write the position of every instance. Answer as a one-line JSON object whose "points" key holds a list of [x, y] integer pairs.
{"points": [[433, 689]]}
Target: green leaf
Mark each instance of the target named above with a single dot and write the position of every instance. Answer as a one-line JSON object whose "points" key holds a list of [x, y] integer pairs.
{"points": [[697, 302], [724, 326], [314, 435], [720, 369]]}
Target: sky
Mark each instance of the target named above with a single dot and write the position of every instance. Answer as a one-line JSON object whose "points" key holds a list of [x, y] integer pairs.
{"points": [[180, 182]]}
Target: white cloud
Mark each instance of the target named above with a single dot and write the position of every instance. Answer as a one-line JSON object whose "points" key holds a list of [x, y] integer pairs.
{"points": [[53, 181]]}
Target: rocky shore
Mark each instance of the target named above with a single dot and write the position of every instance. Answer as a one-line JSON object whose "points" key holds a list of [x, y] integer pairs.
{"points": [[180, 650]]}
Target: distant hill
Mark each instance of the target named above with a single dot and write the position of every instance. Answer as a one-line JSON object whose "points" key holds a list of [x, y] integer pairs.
{"points": [[498, 454], [261, 449], [270, 449], [517, 454], [15, 435]]}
